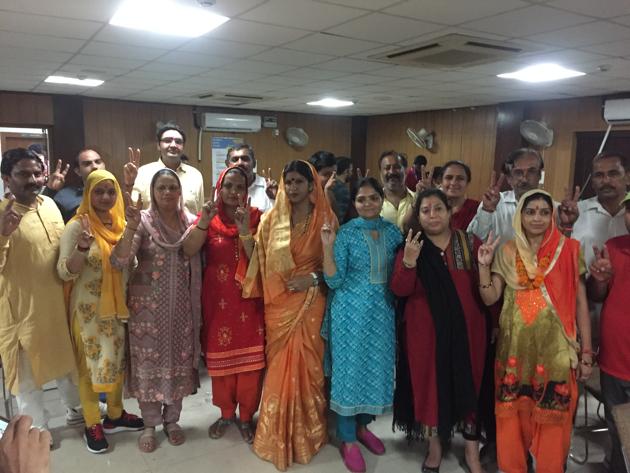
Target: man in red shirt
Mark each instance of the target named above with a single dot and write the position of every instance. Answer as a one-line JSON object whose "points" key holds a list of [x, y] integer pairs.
{"points": [[609, 282], [414, 173]]}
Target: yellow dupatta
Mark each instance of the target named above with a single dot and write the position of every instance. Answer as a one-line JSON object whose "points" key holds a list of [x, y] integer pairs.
{"points": [[112, 303]]}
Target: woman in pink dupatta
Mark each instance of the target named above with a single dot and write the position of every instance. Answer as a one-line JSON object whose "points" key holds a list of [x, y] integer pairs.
{"points": [[164, 301]]}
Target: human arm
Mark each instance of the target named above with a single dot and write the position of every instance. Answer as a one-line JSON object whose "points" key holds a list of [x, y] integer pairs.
{"points": [[568, 211], [197, 236], [130, 169], [333, 250], [242, 221], [9, 222], [486, 218], [404, 275], [329, 193], [24, 449], [130, 241], [57, 179], [601, 273], [74, 248], [491, 285], [583, 321]]}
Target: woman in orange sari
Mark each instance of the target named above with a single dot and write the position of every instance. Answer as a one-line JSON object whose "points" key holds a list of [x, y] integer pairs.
{"points": [[287, 263], [538, 355]]}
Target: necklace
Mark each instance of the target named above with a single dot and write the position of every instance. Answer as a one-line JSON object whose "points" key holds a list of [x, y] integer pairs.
{"points": [[523, 278], [302, 226]]}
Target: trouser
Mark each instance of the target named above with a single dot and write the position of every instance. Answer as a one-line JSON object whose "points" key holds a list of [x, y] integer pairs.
{"points": [[240, 390], [156, 413], [90, 398], [549, 443], [347, 426], [615, 391], [486, 396], [30, 400]]}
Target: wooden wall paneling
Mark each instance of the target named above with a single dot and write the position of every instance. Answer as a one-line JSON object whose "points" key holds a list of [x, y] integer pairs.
{"points": [[21, 109], [358, 142], [68, 131]]}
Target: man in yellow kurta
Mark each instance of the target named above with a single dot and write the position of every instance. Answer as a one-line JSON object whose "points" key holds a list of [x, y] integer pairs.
{"points": [[399, 200], [35, 344]]}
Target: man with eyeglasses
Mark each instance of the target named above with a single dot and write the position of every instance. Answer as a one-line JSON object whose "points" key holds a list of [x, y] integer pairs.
{"points": [[171, 139]]}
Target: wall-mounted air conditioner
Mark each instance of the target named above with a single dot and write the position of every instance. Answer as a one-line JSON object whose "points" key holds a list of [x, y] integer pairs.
{"points": [[229, 122], [617, 111]]}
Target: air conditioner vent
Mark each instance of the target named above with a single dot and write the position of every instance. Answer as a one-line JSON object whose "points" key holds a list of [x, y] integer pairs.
{"points": [[219, 98], [453, 50]]}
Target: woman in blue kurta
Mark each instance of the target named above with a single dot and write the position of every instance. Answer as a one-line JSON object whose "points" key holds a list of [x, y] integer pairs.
{"points": [[359, 326]]}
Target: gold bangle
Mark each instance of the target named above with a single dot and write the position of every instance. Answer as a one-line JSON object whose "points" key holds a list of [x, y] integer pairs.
{"points": [[247, 237], [486, 286], [202, 229], [408, 266]]}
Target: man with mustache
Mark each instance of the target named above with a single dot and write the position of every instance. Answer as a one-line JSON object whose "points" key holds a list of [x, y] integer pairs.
{"points": [[398, 199], [35, 344]]}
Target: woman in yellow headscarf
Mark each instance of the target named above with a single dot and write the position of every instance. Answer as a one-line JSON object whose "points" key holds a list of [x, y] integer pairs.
{"points": [[538, 355], [98, 310], [288, 261]]}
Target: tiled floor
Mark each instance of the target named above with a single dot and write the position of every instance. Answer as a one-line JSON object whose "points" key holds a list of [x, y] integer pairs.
{"points": [[200, 454]]}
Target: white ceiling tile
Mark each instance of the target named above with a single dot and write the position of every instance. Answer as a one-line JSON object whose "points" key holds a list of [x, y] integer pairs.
{"points": [[45, 87], [384, 28], [313, 74], [228, 74], [47, 25], [566, 57], [291, 57], [98, 48], [584, 35], [27, 54], [527, 21], [256, 33], [98, 10], [16, 85], [302, 14], [367, 4], [350, 65], [220, 47], [232, 8], [325, 43], [118, 35], [624, 20], [193, 59], [172, 71], [105, 61], [361, 79], [600, 8], [258, 66], [92, 72], [615, 48], [33, 41], [445, 12]]}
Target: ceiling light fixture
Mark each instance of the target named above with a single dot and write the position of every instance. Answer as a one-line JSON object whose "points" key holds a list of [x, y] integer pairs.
{"points": [[331, 103], [166, 17], [542, 73], [73, 81]]}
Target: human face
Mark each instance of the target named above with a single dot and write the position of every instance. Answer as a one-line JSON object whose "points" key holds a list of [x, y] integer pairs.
{"points": [[166, 192], [325, 173], [609, 179], [536, 218], [25, 181], [392, 173], [243, 158], [368, 202], [171, 147], [297, 187], [103, 196], [233, 188], [433, 216], [454, 182], [525, 175], [89, 161]]}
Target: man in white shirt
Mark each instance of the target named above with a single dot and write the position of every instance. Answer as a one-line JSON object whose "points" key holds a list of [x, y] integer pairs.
{"points": [[171, 140], [602, 216], [262, 191]]}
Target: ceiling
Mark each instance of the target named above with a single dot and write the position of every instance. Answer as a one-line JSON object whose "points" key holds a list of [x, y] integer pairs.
{"points": [[294, 51]]}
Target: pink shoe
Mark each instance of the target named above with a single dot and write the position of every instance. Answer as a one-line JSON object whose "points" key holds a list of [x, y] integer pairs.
{"points": [[371, 442], [352, 458]]}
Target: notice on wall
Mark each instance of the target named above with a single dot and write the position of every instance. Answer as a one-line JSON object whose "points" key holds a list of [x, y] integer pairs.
{"points": [[220, 145]]}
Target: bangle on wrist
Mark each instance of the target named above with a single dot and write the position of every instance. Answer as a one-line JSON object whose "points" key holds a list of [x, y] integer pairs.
{"points": [[483, 264], [201, 228], [407, 265], [486, 286], [315, 279], [247, 237]]}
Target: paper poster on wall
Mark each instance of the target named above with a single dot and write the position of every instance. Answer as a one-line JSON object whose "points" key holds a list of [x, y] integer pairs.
{"points": [[220, 145]]}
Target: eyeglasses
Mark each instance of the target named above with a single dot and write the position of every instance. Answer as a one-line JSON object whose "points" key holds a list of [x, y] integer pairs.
{"points": [[532, 173], [177, 141]]}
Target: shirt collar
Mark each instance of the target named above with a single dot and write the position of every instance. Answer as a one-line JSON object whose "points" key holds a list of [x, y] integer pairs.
{"points": [[594, 204], [179, 168]]}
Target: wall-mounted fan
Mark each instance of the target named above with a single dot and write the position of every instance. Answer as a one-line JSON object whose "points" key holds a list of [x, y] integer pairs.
{"points": [[421, 138], [296, 137], [537, 133]]}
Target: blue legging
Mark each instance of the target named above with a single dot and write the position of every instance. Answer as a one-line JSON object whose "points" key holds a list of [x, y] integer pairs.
{"points": [[347, 426]]}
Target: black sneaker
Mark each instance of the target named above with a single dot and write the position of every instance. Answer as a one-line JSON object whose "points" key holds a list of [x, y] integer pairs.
{"points": [[126, 422], [95, 439]]}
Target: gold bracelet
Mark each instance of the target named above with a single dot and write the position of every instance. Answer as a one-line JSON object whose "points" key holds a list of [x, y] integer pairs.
{"points": [[486, 286], [247, 237], [407, 266]]}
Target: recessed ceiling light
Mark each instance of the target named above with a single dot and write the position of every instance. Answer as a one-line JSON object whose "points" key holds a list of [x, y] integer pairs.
{"points": [[73, 81], [331, 103], [166, 17], [542, 73]]}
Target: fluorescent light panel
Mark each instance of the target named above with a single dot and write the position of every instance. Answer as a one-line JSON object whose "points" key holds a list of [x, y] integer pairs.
{"points": [[73, 81], [331, 103], [542, 73], [166, 17]]}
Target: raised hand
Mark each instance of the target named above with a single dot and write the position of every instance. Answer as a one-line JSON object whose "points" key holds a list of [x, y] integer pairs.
{"points": [[601, 268], [485, 254], [330, 183], [208, 211], [328, 234], [413, 246], [492, 196], [241, 216], [9, 218], [130, 169], [361, 175], [24, 449], [568, 211], [86, 237], [271, 185], [132, 211], [425, 182], [57, 179]]}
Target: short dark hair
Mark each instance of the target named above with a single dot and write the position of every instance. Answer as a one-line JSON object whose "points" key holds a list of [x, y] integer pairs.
{"points": [[515, 155], [414, 221], [300, 167], [403, 159], [164, 127], [37, 148], [538, 196], [75, 163], [437, 173], [249, 148], [343, 164], [13, 156], [389, 152], [322, 159], [369, 181], [461, 164], [611, 155], [420, 160]]}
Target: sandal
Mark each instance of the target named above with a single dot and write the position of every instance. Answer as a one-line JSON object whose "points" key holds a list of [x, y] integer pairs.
{"points": [[247, 431], [147, 442], [174, 434], [217, 430]]}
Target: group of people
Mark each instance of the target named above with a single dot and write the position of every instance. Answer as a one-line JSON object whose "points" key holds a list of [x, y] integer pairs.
{"points": [[454, 315]]}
